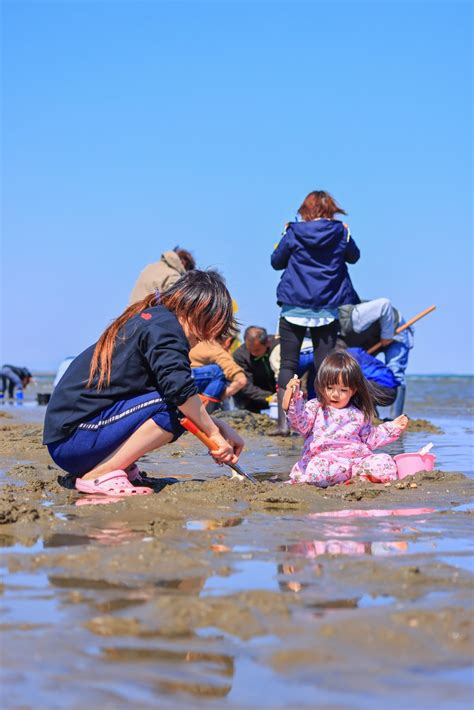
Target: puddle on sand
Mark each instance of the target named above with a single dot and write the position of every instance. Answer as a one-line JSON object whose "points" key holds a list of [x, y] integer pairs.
{"points": [[246, 575], [213, 524], [28, 599], [464, 508]]}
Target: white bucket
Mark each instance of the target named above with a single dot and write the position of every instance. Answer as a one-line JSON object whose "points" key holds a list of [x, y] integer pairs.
{"points": [[272, 411]]}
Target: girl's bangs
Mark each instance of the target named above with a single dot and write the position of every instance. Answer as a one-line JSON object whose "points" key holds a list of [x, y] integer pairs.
{"points": [[333, 375]]}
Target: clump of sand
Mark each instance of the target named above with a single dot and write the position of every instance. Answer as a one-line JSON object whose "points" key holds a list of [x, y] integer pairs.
{"points": [[249, 423]]}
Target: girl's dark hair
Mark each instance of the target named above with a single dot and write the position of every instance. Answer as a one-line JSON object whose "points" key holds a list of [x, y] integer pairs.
{"points": [[341, 367], [319, 204], [199, 298]]}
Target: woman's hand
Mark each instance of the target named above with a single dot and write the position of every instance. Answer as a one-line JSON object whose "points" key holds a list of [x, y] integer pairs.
{"points": [[231, 437], [401, 422], [224, 451]]}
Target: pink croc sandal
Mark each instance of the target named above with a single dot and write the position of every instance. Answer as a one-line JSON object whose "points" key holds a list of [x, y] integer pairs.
{"points": [[114, 483]]}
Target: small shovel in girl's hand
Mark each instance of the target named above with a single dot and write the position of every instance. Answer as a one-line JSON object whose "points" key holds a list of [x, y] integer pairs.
{"points": [[211, 445], [289, 392]]}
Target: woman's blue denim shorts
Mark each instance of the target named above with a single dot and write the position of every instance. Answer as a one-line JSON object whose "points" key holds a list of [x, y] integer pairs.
{"points": [[95, 440]]}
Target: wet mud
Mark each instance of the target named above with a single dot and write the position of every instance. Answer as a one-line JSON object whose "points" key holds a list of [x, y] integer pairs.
{"points": [[249, 423], [216, 592]]}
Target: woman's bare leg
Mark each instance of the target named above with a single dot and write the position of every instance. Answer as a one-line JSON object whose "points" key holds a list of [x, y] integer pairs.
{"points": [[146, 438]]}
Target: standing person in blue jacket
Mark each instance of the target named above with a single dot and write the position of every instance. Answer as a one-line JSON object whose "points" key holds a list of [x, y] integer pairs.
{"points": [[315, 282]]}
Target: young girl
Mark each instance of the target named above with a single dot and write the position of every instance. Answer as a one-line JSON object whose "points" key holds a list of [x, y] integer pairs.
{"points": [[339, 436], [118, 399]]}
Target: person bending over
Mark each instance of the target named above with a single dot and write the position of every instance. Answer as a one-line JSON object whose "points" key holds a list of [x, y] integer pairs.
{"points": [[162, 274], [13, 380], [123, 397], [367, 323], [253, 357], [217, 375]]}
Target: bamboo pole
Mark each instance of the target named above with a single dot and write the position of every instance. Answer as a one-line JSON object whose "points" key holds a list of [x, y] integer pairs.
{"points": [[403, 327]]}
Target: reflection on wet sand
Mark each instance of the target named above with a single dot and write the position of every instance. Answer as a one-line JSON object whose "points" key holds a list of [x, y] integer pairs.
{"points": [[336, 540], [213, 524], [371, 513], [200, 666]]}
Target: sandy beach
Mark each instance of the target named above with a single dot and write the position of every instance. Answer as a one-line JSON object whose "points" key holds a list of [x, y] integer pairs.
{"points": [[215, 592]]}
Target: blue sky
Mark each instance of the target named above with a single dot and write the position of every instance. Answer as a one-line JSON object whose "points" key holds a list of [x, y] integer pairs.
{"points": [[130, 127]]}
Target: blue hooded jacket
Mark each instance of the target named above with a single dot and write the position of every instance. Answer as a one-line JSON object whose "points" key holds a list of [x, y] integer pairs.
{"points": [[314, 256], [373, 369]]}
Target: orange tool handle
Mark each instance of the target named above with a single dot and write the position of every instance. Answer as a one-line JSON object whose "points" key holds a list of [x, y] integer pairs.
{"points": [[404, 327], [191, 427], [211, 445]]}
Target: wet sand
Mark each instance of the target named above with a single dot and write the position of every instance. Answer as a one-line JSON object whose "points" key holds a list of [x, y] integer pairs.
{"points": [[220, 593]]}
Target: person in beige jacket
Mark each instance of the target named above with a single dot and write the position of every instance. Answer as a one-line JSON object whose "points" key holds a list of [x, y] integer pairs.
{"points": [[162, 274]]}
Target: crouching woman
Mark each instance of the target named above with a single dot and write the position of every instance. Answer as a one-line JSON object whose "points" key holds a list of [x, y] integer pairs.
{"points": [[122, 397]]}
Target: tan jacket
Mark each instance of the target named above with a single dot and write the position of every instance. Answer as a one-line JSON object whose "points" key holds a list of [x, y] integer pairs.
{"points": [[157, 276], [211, 353]]}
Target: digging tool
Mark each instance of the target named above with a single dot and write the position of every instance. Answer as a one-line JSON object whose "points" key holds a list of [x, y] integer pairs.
{"points": [[211, 445]]}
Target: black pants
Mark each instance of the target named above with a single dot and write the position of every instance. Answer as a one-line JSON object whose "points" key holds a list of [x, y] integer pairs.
{"points": [[291, 339]]}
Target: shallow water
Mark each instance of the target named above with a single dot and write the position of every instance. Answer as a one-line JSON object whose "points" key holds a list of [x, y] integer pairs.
{"points": [[236, 600]]}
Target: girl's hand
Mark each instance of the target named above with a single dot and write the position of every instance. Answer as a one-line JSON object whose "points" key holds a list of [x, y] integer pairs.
{"points": [[401, 422], [292, 390], [294, 386], [231, 436]]}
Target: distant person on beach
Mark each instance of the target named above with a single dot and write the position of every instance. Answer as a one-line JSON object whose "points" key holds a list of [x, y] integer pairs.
{"points": [[13, 381], [314, 253], [337, 427], [217, 375], [364, 324], [123, 397], [162, 274], [253, 357]]}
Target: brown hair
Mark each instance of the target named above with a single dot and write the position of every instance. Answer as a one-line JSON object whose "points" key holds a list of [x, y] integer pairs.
{"points": [[199, 298], [187, 259], [341, 367], [319, 204]]}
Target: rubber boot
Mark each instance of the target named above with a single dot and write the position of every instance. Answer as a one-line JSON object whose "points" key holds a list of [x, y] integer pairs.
{"points": [[282, 428], [398, 405]]}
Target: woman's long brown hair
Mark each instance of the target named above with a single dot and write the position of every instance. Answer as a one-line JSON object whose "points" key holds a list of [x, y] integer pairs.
{"points": [[319, 204], [199, 298]]}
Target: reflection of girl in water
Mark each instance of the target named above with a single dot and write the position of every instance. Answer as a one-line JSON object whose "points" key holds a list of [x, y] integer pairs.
{"points": [[339, 435]]}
